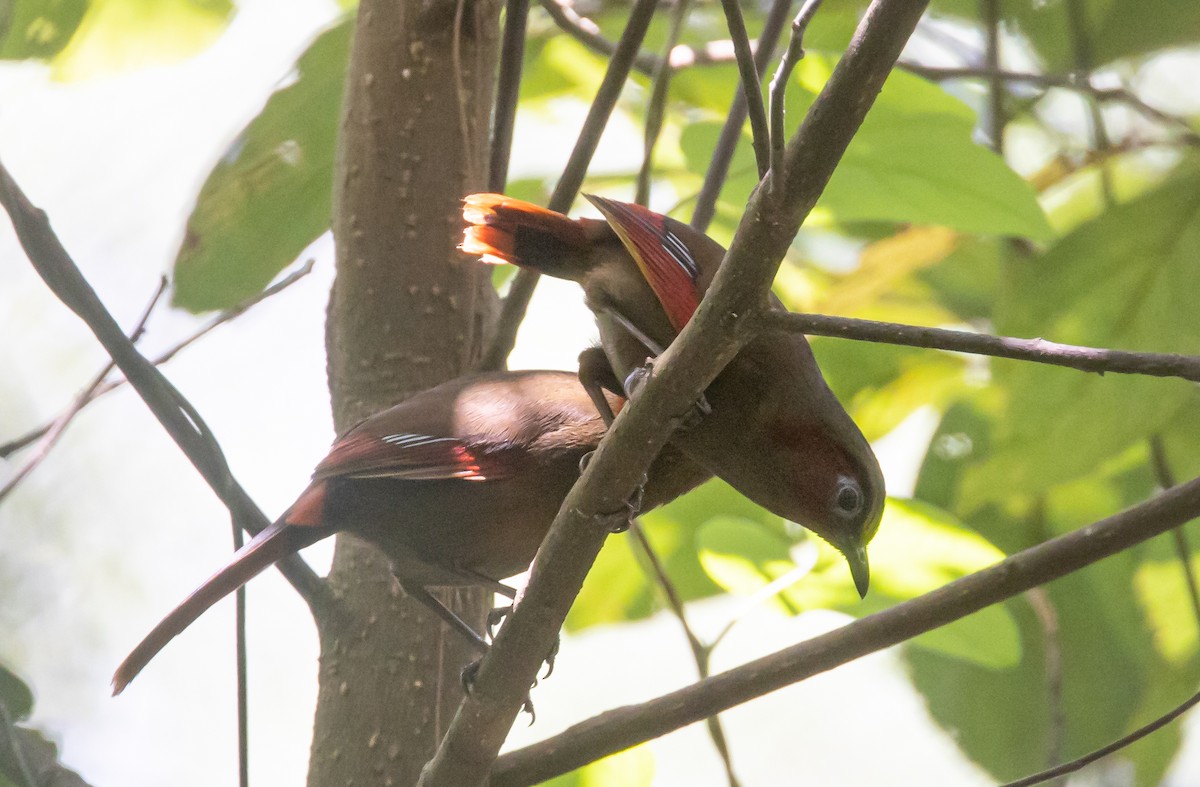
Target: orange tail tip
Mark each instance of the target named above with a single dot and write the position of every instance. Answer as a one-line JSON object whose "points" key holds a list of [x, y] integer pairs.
{"points": [[501, 229]]}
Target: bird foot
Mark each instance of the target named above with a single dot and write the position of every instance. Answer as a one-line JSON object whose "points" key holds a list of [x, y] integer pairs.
{"points": [[496, 617], [689, 420], [618, 521]]}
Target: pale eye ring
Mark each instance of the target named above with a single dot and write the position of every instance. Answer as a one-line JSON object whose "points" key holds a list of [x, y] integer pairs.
{"points": [[849, 498]]}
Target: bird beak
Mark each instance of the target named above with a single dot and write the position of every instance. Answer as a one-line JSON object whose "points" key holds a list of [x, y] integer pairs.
{"points": [[856, 557]]}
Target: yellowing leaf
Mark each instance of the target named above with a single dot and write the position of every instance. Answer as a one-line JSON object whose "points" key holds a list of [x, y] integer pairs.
{"points": [[120, 35]]}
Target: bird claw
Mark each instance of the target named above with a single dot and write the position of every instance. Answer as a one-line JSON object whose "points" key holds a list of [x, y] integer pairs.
{"points": [[642, 374], [620, 520], [495, 617]]}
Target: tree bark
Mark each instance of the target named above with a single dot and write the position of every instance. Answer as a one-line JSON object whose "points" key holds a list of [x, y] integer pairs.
{"points": [[407, 311]]}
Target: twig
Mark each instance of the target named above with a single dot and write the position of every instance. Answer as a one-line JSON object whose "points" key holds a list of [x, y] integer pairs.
{"points": [[731, 132], [989, 14], [508, 88], [586, 32], [1047, 615], [751, 88], [12, 446], [1081, 44], [512, 312], [1166, 480], [1086, 359], [621, 728], [710, 339], [56, 428], [656, 106], [173, 411], [1117, 745], [1121, 95], [701, 653], [791, 56]]}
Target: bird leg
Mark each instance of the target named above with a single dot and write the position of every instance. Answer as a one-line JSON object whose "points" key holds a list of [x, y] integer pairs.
{"points": [[639, 376], [457, 624]]}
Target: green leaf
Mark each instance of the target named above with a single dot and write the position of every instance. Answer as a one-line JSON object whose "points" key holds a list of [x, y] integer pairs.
{"points": [[270, 196], [918, 549], [38, 28], [1126, 280], [743, 557], [15, 695], [120, 35], [620, 587], [630, 768], [1114, 28], [914, 160]]}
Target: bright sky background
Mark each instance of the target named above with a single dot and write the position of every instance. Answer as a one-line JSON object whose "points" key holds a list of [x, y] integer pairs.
{"points": [[114, 529]]}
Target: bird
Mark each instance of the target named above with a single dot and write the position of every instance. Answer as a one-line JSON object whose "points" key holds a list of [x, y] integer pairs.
{"points": [[768, 424], [456, 485]]}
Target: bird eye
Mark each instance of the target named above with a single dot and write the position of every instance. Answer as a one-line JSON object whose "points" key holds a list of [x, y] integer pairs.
{"points": [[849, 498]]}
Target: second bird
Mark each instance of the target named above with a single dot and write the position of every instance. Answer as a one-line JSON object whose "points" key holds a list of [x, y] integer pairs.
{"points": [[775, 432]]}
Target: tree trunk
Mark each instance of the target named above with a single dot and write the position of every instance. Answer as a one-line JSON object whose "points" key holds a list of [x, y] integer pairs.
{"points": [[407, 312]]}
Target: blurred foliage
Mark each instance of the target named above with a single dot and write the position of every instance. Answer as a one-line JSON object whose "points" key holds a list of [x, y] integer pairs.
{"points": [[16, 696], [920, 224], [90, 38]]}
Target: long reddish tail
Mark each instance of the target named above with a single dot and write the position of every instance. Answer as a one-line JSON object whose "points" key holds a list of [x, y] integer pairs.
{"points": [[502, 229], [272, 544]]}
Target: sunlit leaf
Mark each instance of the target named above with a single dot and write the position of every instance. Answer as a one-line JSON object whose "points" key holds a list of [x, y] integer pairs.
{"points": [[919, 549], [119, 35], [743, 557], [630, 768], [38, 28], [270, 195], [1126, 280], [914, 160]]}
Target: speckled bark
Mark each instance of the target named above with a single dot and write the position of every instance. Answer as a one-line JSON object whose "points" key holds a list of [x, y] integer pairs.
{"points": [[407, 311]]}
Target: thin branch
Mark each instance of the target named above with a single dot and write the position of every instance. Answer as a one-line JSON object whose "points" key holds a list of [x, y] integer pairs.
{"points": [[1086, 359], [508, 89], [717, 330], [1081, 44], [751, 86], [1047, 615], [989, 14], [656, 106], [791, 56], [701, 653], [51, 436], [1117, 745], [621, 728], [173, 411], [731, 132], [586, 32], [12, 446], [1166, 480], [513, 310]]}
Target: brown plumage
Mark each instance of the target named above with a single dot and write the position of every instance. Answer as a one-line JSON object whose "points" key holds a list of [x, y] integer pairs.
{"points": [[775, 432], [457, 486]]}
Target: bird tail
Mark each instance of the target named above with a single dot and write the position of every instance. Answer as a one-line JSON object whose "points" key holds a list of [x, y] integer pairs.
{"points": [[277, 541], [501, 229]]}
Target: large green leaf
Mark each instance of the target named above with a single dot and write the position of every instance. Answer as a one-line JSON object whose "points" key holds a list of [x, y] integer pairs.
{"points": [[630, 768], [919, 548], [914, 160], [1114, 29], [270, 195], [120, 35], [16, 696], [38, 28], [1127, 280]]}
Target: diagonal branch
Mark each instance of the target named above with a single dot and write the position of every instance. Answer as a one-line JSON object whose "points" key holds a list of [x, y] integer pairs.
{"points": [[715, 333], [54, 431], [517, 303], [731, 132], [508, 89], [751, 87], [16, 444], [621, 728], [172, 410], [1086, 359]]}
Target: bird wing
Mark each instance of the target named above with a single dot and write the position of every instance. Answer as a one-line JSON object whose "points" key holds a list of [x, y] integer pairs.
{"points": [[410, 457], [664, 260]]}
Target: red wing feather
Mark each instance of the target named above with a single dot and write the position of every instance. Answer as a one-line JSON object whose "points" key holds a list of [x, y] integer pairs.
{"points": [[411, 457], [663, 259], [502, 229]]}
